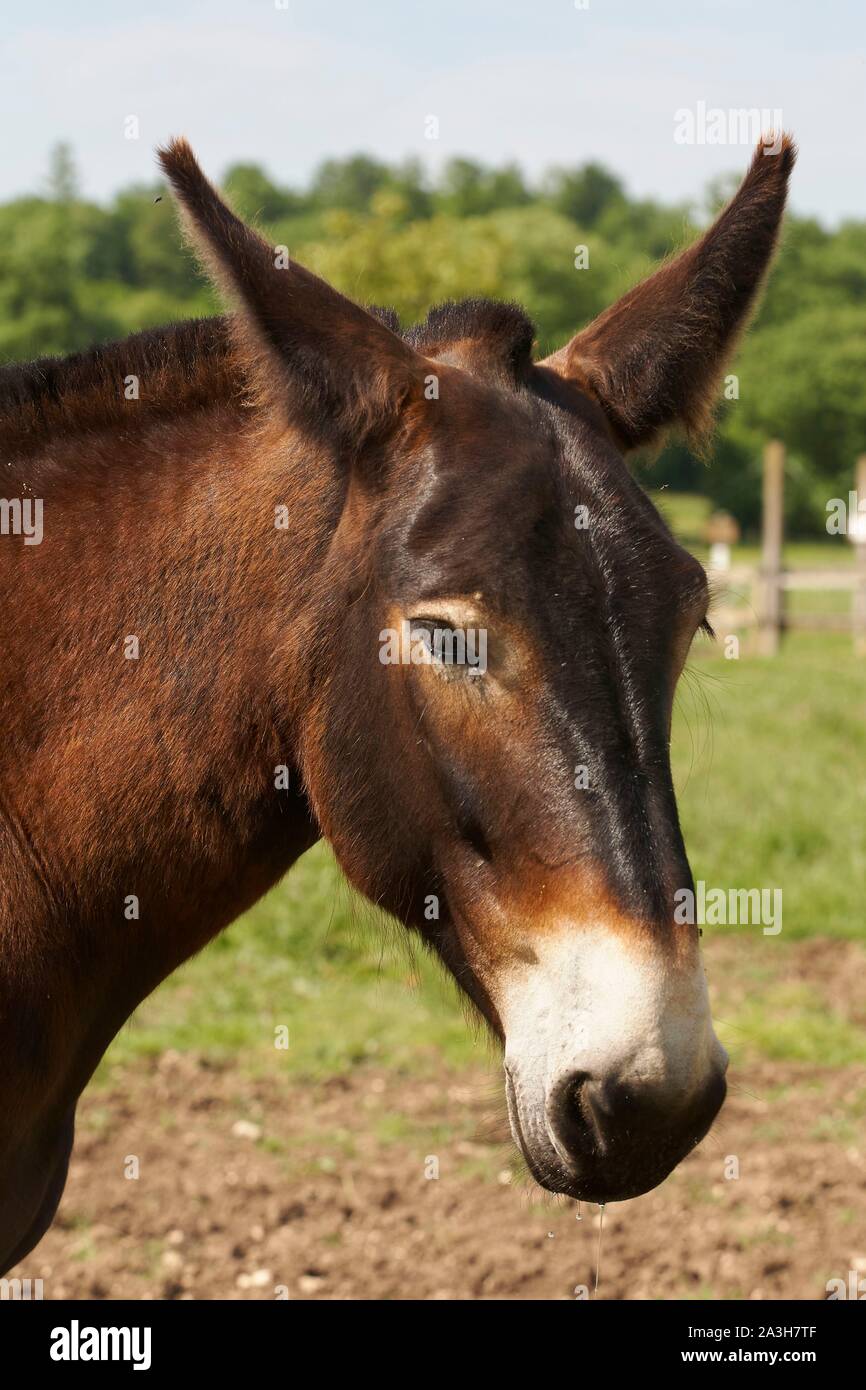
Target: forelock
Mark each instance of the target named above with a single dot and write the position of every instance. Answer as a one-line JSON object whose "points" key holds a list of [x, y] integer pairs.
{"points": [[498, 336]]}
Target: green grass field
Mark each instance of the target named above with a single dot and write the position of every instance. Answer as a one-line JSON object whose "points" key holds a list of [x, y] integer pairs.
{"points": [[769, 758]]}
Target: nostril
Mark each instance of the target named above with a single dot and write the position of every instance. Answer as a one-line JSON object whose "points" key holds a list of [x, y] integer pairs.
{"points": [[619, 1133], [608, 1100], [575, 1088], [571, 1113]]}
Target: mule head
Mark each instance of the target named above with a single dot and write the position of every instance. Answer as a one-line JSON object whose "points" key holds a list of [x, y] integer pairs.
{"points": [[492, 645]]}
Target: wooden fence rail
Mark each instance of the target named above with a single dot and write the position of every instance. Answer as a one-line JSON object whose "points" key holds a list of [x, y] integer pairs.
{"points": [[749, 596]]}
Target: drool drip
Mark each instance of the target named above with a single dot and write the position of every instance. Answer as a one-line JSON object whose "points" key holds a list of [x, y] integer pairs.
{"points": [[598, 1248]]}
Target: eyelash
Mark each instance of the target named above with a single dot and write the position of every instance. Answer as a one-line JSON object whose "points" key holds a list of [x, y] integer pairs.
{"points": [[452, 636], [428, 628]]}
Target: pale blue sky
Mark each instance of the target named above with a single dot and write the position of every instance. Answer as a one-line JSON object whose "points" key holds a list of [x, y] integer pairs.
{"points": [[539, 81]]}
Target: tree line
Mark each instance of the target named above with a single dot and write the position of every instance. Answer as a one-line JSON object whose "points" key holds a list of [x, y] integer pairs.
{"points": [[73, 272]]}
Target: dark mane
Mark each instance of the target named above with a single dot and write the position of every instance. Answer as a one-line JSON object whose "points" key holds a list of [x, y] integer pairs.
{"points": [[50, 378], [179, 366], [189, 365], [505, 329]]}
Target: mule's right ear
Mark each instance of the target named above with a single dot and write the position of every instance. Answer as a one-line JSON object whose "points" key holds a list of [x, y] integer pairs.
{"points": [[343, 366]]}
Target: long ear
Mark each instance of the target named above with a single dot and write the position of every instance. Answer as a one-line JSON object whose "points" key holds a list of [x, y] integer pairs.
{"points": [[302, 337], [655, 357]]}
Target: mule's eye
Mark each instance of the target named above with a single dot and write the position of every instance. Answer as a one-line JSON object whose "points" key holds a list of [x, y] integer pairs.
{"points": [[454, 651]]}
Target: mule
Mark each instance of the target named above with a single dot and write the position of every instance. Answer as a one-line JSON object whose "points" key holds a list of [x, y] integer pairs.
{"points": [[196, 680]]}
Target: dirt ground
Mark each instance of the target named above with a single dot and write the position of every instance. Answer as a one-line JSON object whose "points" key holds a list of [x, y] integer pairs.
{"points": [[271, 1188]]}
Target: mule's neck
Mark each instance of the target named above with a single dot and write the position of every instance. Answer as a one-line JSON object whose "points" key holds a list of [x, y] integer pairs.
{"points": [[156, 669], [149, 651]]}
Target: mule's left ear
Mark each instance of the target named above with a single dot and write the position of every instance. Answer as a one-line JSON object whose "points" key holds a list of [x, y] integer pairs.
{"points": [[654, 358]]}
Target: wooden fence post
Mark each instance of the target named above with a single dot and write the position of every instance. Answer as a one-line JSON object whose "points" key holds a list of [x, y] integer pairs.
{"points": [[858, 600], [770, 614]]}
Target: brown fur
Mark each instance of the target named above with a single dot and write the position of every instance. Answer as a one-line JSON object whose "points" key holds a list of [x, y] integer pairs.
{"points": [[259, 646]]}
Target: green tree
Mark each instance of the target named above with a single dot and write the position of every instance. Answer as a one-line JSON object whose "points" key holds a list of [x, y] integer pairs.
{"points": [[62, 175], [72, 273], [349, 183], [584, 194], [256, 196]]}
